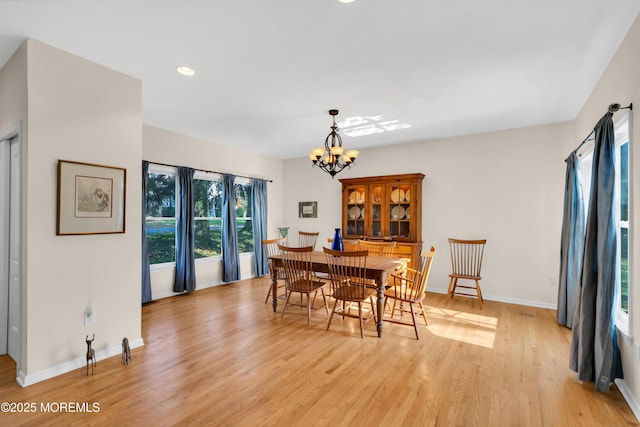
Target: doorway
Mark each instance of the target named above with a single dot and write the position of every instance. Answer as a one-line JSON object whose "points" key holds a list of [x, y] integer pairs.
{"points": [[10, 283]]}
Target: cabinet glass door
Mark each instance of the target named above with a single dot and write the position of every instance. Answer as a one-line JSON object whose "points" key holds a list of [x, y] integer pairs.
{"points": [[356, 210], [400, 211], [377, 194]]}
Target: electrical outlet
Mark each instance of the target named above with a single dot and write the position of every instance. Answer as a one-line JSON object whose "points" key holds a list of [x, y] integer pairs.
{"points": [[89, 316]]}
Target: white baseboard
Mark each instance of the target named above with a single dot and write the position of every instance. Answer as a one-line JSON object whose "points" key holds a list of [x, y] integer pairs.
{"points": [[198, 287], [629, 397], [173, 294], [27, 380], [505, 300]]}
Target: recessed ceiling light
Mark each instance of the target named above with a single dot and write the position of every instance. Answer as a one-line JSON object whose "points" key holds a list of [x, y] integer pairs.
{"points": [[346, 1], [186, 71]]}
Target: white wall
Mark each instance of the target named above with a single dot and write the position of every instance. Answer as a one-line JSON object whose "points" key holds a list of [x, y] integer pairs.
{"points": [[621, 83], [171, 148], [504, 186], [13, 113], [80, 111]]}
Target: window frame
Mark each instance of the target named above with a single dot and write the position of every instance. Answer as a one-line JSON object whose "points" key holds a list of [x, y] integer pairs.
{"points": [[622, 133], [156, 168], [173, 171], [213, 177], [248, 182]]}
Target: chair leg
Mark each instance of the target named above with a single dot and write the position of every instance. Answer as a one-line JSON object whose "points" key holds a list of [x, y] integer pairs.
{"points": [[424, 313], [449, 290], [309, 308], [285, 304], [373, 309], [360, 316], [268, 293], [480, 299], [413, 317], [324, 298], [333, 311]]}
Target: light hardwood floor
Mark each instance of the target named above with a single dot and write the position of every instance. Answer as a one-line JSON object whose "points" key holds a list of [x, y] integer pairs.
{"points": [[220, 356]]}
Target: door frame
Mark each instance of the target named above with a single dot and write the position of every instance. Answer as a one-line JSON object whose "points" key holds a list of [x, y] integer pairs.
{"points": [[13, 135]]}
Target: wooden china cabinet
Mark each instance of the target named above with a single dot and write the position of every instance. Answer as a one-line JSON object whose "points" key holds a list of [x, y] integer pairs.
{"points": [[385, 208]]}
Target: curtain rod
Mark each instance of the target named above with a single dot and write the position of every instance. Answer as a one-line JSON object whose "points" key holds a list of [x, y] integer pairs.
{"points": [[612, 109], [204, 170]]}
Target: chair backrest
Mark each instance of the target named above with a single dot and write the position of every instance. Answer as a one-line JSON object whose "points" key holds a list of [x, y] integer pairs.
{"points": [[378, 248], [307, 238], [348, 244], [348, 269], [421, 273], [271, 246], [466, 257], [297, 266]]}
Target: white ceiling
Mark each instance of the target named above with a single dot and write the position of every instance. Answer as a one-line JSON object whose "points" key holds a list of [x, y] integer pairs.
{"points": [[269, 70]]}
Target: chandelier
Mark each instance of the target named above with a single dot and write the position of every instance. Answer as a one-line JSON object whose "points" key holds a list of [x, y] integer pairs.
{"points": [[330, 158]]}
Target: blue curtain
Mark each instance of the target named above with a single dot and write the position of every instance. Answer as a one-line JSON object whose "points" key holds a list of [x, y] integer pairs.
{"points": [[259, 215], [594, 347], [230, 257], [146, 274], [572, 242], [185, 279]]}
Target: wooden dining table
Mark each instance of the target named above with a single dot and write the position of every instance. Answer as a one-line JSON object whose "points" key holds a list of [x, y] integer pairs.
{"points": [[377, 268]]}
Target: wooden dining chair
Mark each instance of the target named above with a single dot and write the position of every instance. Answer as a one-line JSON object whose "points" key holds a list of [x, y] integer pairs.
{"points": [[307, 238], [378, 248], [271, 248], [348, 244], [299, 277], [347, 272], [408, 289], [466, 263]]}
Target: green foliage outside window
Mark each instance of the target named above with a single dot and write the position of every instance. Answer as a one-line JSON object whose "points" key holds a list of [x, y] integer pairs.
{"points": [[161, 222]]}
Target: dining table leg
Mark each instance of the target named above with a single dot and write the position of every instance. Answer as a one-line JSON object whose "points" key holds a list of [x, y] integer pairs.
{"points": [[380, 309], [274, 288]]}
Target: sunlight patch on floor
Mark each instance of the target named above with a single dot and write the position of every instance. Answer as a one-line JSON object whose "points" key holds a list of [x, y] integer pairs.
{"points": [[469, 328]]}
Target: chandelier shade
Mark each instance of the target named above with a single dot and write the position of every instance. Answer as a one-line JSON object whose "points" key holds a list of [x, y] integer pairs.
{"points": [[332, 158]]}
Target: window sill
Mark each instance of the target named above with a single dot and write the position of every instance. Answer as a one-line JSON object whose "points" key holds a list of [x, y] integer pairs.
{"points": [[206, 260], [163, 266], [622, 324], [209, 259]]}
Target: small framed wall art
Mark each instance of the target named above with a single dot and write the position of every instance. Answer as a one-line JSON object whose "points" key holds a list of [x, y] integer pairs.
{"points": [[308, 209], [91, 198]]}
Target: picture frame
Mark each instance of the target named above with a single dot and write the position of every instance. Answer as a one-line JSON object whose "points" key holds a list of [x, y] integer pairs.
{"points": [[308, 209], [91, 198]]}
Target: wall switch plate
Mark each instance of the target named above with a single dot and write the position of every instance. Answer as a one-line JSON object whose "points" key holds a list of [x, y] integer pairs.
{"points": [[89, 316]]}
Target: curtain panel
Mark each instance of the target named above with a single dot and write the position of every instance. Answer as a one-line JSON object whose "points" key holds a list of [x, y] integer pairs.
{"points": [[259, 212], [185, 277], [146, 273], [572, 242], [594, 348], [230, 256]]}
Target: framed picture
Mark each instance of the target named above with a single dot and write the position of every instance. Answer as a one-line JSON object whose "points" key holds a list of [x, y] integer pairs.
{"points": [[91, 198], [308, 209]]}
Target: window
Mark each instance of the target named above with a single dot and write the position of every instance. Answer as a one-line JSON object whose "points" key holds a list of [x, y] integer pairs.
{"points": [[621, 195], [161, 214], [244, 223], [208, 199], [622, 215], [207, 194]]}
